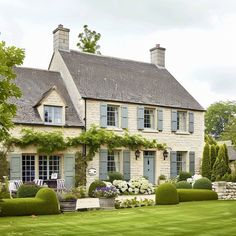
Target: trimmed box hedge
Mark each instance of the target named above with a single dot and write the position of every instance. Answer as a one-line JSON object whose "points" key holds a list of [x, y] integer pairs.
{"points": [[44, 203], [187, 195], [166, 194]]}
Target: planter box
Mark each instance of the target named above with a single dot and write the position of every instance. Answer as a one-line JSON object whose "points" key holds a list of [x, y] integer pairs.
{"points": [[68, 205], [107, 203]]}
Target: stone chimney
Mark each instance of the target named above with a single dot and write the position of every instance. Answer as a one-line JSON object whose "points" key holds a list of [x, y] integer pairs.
{"points": [[61, 38], [158, 55]]}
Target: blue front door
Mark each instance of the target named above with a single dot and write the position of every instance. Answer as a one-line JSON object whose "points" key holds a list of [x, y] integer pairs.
{"points": [[149, 165]]}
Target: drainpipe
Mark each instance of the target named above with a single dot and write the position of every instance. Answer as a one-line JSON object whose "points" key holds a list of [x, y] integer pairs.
{"points": [[85, 124]]}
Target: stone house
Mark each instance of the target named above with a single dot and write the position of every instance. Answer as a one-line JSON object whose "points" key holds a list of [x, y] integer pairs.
{"points": [[115, 94]]}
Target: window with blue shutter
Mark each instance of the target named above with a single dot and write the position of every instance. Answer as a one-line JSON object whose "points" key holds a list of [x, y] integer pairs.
{"points": [[173, 120], [192, 163], [103, 164], [126, 164], [173, 164], [124, 117], [160, 120], [140, 117], [191, 122], [103, 115]]}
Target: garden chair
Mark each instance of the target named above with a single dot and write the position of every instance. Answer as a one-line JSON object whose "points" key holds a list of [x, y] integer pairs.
{"points": [[38, 182], [61, 185], [14, 186]]}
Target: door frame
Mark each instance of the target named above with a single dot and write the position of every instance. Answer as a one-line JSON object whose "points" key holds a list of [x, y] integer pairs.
{"points": [[154, 165]]}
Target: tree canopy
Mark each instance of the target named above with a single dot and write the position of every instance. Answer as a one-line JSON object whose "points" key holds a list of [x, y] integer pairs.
{"points": [[88, 41], [9, 58], [218, 116]]}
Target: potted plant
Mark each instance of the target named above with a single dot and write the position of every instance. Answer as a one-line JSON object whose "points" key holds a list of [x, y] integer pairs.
{"points": [[106, 196], [161, 179]]}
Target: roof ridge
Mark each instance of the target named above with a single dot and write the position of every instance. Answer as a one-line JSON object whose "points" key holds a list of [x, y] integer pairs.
{"points": [[110, 57]]}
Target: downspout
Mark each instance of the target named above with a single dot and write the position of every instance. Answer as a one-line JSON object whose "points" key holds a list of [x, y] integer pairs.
{"points": [[85, 124]]}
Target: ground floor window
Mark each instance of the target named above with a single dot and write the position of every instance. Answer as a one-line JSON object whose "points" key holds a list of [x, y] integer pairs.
{"points": [[49, 165], [179, 162], [113, 161], [28, 168]]}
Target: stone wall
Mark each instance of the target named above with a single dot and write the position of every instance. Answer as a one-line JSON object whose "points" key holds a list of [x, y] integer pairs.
{"points": [[225, 190]]}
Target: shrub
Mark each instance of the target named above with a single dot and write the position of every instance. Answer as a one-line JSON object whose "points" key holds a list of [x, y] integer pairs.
{"points": [[184, 176], [131, 203], [213, 155], [183, 185], [44, 203], [27, 190], [162, 177], [94, 185], [206, 162], [203, 183], [115, 176], [166, 194], [187, 195]]}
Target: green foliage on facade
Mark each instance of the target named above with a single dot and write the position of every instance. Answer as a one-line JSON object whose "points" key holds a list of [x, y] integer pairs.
{"points": [[9, 58], [94, 138], [88, 41], [220, 167], [4, 165], [80, 170], [206, 162]]}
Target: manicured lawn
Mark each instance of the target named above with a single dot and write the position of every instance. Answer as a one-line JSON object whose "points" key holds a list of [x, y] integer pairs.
{"points": [[196, 218]]}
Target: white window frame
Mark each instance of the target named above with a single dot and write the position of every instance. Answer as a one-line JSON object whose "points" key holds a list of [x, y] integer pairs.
{"points": [[179, 164], [54, 109], [152, 117], [116, 115], [48, 171], [182, 117], [113, 161], [28, 161]]}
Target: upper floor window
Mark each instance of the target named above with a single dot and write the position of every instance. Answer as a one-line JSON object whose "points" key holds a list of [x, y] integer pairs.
{"points": [[112, 115], [53, 114], [181, 120], [148, 118]]}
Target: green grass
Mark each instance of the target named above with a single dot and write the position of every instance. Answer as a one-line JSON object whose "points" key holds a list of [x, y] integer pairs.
{"points": [[190, 218]]}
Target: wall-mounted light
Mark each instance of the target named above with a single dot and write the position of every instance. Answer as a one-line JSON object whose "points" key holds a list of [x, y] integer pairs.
{"points": [[137, 154], [165, 154]]}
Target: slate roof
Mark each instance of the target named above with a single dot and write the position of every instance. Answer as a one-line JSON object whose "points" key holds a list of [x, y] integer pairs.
{"points": [[35, 83], [108, 78]]}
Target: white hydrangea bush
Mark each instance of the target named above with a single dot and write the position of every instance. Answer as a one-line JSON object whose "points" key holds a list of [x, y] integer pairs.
{"points": [[193, 179], [137, 185]]}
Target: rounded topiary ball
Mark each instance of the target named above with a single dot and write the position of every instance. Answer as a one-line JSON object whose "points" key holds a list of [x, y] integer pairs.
{"points": [[166, 194], [203, 183], [95, 184], [183, 185]]}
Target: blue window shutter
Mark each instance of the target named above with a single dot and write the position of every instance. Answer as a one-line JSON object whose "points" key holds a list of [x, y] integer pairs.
{"points": [[191, 122], [192, 162], [69, 170], [174, 120], [103, 164], [173, 164], [16, 166], [124, 117], [140, 116], [103, 115], [160, 120], [126, 164]]}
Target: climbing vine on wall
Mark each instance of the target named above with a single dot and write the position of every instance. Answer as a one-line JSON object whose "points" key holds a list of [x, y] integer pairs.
{"points": [[94, 138]]}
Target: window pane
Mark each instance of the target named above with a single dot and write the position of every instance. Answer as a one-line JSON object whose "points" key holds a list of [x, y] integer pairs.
{"points": [[53, 114], [57, 115], [181, 120], [112, 115], [28, 168], [148, 118], [179, 162]]}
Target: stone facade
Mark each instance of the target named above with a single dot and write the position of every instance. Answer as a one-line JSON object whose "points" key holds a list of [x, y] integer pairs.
{"points": [[184, 142], [225, 190]]}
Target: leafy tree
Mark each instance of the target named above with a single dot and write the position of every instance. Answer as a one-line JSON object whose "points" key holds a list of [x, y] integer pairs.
{"points": [[220, 167], [213, 155], [206, 162], [88, 41], [230, 131], [4, 165], [218, 116], [9, 57]]}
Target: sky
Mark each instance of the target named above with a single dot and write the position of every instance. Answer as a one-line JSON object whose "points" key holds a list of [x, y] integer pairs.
{"points": [[199, 36]]}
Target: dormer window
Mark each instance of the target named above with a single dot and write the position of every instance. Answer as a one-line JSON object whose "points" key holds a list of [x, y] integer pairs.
{"points": [[53, 115]]}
